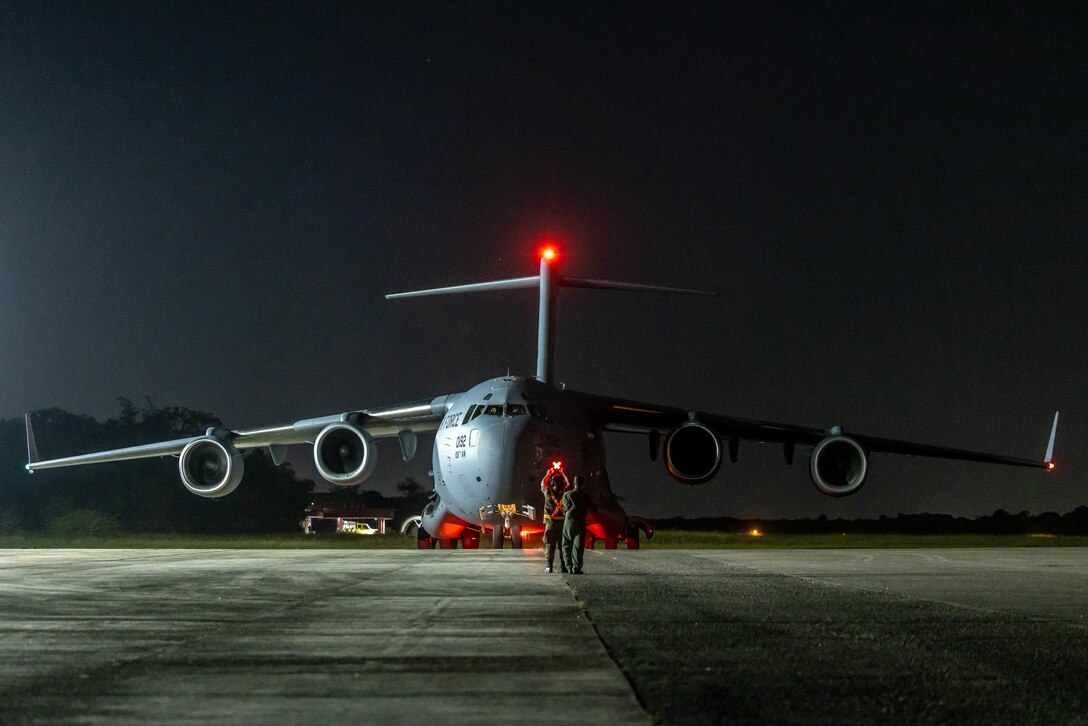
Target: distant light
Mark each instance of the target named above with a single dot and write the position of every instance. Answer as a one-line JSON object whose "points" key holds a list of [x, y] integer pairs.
{"points": [[524, 534], [754, 533], [557, 465]]}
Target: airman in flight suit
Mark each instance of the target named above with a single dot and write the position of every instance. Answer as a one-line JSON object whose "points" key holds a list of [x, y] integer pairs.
{"points": [[552, 487], [576, 504]]}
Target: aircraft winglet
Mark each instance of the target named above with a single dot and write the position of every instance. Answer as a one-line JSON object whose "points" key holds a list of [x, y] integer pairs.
{"points": [[1049, 459], [31, 447]]}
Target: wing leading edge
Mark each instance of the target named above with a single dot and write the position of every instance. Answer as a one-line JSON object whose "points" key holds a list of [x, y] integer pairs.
{"points": [[380, 422], [627, 416]]}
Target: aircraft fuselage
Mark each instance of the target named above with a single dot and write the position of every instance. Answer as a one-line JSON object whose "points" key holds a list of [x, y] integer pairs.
{"points": [[494, 446]]}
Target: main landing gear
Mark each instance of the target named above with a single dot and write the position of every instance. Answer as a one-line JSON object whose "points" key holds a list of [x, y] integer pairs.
{"points": [[425, 541], [632, 540], [469, 540]]}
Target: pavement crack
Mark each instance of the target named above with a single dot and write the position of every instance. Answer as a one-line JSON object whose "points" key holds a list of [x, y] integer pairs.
{"points": [[585, 610]]}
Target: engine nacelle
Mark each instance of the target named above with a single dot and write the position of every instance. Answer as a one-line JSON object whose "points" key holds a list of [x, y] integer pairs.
{"points": [[693, 453], [345, 454], [211, 467], [839, 465]]}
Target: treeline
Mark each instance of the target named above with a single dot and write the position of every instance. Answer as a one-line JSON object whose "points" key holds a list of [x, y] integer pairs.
{"points": [[1000, 522], [144, 495]]}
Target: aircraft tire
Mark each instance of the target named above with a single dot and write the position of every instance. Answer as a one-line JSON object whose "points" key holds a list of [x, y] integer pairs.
{"points": [[423, 540], [516, 542], [449, 543], [496, 537], [610, 543], [632, 542], [470, 539]]}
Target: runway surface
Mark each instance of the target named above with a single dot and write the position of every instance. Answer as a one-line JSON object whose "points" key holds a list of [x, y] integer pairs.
{"points": [[665, 636]]}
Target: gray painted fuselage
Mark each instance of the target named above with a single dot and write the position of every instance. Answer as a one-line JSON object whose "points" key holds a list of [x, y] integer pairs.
{"points": [[494, 446]]}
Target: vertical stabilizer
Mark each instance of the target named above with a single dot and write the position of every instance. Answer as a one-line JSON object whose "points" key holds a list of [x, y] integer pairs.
{"points": [[545, 330]]}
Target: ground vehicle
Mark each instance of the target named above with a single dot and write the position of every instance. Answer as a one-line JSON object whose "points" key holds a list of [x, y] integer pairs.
{"points": [[350, 526]]}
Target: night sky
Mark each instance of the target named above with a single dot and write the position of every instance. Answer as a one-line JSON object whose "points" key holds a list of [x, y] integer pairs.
{"points": [[204, 204]]}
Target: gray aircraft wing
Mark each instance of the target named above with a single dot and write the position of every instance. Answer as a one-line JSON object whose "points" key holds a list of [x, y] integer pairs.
{"points": [[613, 414], [400, 420]]}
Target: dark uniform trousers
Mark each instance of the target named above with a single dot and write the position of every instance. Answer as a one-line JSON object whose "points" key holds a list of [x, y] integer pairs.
{"points": [[575, 505], [553, 525], [553, 532]]}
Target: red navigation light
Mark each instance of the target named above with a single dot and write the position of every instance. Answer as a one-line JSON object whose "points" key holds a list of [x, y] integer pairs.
{"points": [[1050, 466]]}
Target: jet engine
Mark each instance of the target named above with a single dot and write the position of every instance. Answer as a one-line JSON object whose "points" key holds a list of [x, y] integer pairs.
{"points": [[345, 454], [839, 465], [693, 453], [211, 467]]}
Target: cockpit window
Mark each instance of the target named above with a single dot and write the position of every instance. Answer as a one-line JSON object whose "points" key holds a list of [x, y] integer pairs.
{"points": [[496, 409]]}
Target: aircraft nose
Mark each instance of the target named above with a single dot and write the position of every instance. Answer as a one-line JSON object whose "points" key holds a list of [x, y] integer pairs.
{"points": [[491, 464], [499, 460]]}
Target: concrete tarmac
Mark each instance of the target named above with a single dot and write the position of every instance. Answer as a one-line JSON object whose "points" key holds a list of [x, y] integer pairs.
{"points": [[655, 636], [982, 636], [291, 637]]}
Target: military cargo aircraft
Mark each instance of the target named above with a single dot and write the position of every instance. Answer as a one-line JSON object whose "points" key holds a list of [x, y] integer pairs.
{"points": [[495, 441]]}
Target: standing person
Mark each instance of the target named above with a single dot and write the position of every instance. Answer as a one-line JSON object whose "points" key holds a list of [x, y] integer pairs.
{"points": [[552, 486], [576, 504]]}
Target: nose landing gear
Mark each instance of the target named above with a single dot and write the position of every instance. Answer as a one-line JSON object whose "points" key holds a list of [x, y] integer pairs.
{"points": [[498, 534]]}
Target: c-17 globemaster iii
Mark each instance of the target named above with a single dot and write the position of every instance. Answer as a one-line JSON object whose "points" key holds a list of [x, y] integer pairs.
{"points": [[495, 441]]}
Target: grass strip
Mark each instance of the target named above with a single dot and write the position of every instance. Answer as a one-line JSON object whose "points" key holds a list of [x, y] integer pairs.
{"points": [[663, 539]]}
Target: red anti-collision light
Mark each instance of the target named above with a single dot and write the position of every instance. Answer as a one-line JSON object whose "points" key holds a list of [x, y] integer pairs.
{"points": [[1050, 466], [549, 254]]}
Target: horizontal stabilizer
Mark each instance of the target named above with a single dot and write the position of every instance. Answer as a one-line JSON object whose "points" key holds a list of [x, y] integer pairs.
{"points": [[629, 286], [516, 283], [548, 283]]}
